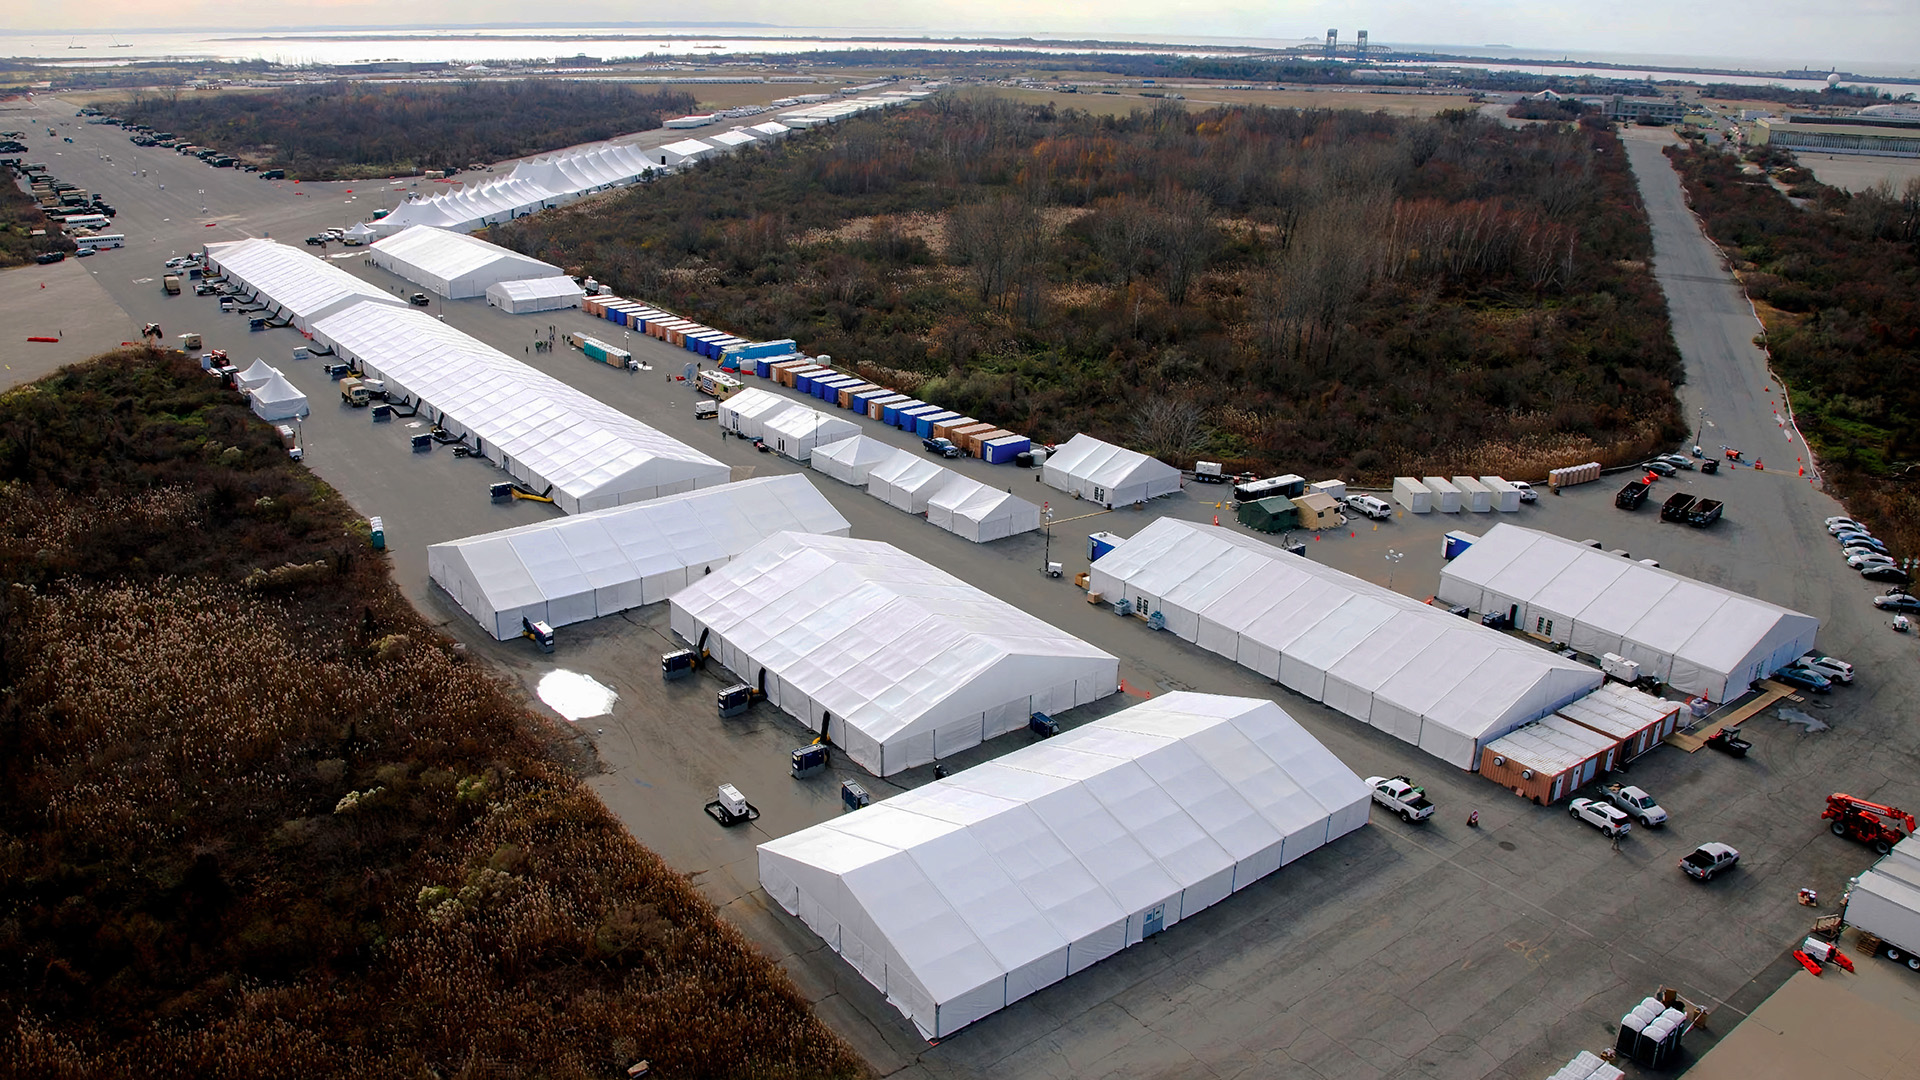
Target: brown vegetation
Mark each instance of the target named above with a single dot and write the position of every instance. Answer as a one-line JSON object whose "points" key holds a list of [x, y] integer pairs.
{"points": [[287, 830], [1334, 292], [20, 217]]}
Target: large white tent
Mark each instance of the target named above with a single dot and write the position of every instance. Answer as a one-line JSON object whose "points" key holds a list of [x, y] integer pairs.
{"points": [[747, 411], [293, 284], [1434, 680], [900, 663], [1107, 474], [850, 461], [277, 399], [536, 184], [540, 430], [1699, 638], [909, 482], [795, 432], [571, 569], [451, 264], [963, 896], [522, 297], [966, 507]]}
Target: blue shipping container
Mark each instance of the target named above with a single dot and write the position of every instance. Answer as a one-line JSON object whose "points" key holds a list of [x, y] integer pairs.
{"points": [[1002, 451], [923, 424], [765, 349], [1100, 543], [890, 412], [910, 418], [829, 389]]}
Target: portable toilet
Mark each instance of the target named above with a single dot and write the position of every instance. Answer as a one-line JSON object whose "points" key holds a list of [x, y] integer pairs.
{"points": [[1100, 543], [1455, 542]]}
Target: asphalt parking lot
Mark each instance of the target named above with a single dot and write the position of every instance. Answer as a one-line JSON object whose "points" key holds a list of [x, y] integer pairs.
{"points": [[1436, 951]]}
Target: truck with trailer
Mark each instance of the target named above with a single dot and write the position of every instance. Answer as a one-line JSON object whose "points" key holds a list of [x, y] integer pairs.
{"points": [[1678, 507], [1631, 496], [1883, 906]]}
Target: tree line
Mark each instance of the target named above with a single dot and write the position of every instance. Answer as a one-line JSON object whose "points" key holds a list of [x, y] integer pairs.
{"points": [[1322, 290], [349, 129]]}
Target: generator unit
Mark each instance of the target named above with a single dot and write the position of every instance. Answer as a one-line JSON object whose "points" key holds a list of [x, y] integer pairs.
{"points": [[678, 664], [853, 796], [731, 808], [537, 632], [809, 760], [1043, 725], [733, 700]]}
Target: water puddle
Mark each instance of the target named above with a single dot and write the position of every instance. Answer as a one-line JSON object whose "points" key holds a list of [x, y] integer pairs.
{"points": [[1805, 720], [576, 696]]}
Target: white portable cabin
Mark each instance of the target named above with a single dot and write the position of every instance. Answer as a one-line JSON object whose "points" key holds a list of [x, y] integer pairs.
{"points": [[970, 509], [795, 432], [686, 150], [1504, 497], [908, 482], [1110, 475], [1412, 495], [850, 461], [1475, 497], [1446, 497], [963, 896]]}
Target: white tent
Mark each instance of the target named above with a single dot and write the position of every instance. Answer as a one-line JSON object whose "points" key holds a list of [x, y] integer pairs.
{"points": [[850, 461], [746, 412], [535, 294], [969, 508], [292, 283], [255, 374], [795, 432], [675, 153], [963, 896], [772, 129], [277, 399], [909, 482], [1699, 638], [732, 140], [1439, 682], [899, 662], [1107, 474], [570, 569], [451, 264], [542, 431]]}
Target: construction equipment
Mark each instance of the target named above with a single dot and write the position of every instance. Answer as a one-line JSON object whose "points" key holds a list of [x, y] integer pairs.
{"points": [[1868, 822], [530, 496]]}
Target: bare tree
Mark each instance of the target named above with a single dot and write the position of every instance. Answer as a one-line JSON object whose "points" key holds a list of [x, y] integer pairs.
{"points": [[998, 240], [1168, 428], [1185, 240]]}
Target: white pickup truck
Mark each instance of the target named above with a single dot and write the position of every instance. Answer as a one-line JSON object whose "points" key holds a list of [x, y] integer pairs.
{"points": [[1637, 803], [1707, 860], [1398, 794], [1369, 506]]}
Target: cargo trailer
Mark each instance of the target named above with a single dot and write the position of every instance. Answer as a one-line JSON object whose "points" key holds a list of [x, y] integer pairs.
{"points": [[1412, 495], [1446, 497], [1505, 497], [1475, 497]]}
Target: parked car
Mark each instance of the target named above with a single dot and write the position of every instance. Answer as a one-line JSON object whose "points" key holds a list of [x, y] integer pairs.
{"points": [[1659, 467], [1859, 539], [419, 299], [1678, 461], [1527, 494], [1897, 602], [1838, 525], [1709, 859], [1398, 794], [1804, 678], [1369, 506], [1637, 803], [1862, 559], [1607, 819], [1850, 550], [84, 252], [942, 446], [1834, 669], [46, 257], [1892, 575]]}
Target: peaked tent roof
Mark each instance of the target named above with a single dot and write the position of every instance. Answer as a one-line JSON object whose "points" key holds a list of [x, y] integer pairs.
{"points": [[256, 373], [277, 399], [904, 661], [428, 256], [539, 288], [969, 508], [851, 461], [297, 284], [1086, 463], [574, 568], [963, 896]]}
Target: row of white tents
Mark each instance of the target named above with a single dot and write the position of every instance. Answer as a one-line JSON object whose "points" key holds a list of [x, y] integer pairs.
{"points": [[917, 484]]}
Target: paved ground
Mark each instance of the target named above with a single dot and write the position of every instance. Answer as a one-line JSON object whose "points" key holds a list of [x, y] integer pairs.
{"points": [[1857, 173], [1433, 952]]}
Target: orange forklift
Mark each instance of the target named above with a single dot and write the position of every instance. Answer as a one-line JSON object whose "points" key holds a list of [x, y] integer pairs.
{"points": [[1868, 822]]}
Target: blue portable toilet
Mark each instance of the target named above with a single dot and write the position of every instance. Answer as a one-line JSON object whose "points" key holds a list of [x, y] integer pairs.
{"points": [[1100, 543], [1456, 542]]}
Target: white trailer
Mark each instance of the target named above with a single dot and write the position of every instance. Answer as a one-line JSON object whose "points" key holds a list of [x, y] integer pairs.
{"points": [[1505, 497], [1413, 495], [1475, 497], [1885, 902], [1446, 497]]}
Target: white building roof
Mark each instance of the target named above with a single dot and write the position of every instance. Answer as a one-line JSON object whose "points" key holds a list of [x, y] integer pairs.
{"points": [[293, 283], [732, 140], [443, 260], [688, 148], [538, 428], [964, 896], [1440, 682], [1699, 638], [1108, 474], [772, 129], [1619, 710], [576, 568], [903, 662], [968, 508], [1552, 745], [909, 482], [539, 288], [277, 399]]}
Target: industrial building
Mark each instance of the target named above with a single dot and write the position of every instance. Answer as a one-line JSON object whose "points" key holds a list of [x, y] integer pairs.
{"points": [[572, 569], [897, 662], [451, 264], [1875, 131], [558, 441], [1442, 683], [961, 897], [1110, 475], [292, 284], [1698, 638]]}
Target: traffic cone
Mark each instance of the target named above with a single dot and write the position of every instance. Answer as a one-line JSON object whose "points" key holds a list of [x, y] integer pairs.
{"points": [[1216, 519]]}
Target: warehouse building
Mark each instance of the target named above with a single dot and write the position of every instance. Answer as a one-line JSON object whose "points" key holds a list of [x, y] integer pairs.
{"points": [[572, 569], [1698, 638], [1876, 131], [1442, 683], [583, 453], [964, 896], [292, 284], [451, 264], [1110, 475], [897, 662]]}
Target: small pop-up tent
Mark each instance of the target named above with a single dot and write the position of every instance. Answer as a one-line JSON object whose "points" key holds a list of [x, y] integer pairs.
{"points": [[277, 399]]}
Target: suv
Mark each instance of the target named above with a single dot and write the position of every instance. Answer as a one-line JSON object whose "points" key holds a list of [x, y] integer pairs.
{"points": [[46, 257], [1607, 819], [1369, 506], [1527, 494], [1834, 670], [419, 299]]}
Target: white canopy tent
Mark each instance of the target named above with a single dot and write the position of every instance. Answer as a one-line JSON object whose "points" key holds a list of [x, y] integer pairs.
{"points": [[292, 283], [850, 461], [732, 140], [452, 264], [966, 507], [1699, 638], [899, 662], [255, 374], [908, 482], [526, 296], [747, 411], [795, 432], [571, 569], [963, 896], [771, 130], [677, 153], [1107, 474], [540, 430], [1413, 670], [277, 399]]}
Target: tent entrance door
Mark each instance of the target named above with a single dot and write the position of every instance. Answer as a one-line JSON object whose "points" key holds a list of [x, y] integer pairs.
{"points": [[1156, 921]]}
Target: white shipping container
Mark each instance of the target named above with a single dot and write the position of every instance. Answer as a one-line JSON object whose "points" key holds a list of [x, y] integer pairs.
{"points": [[1446, 497], [1413, 495], [1337, 489], [1475, 497], [1506, 497]]}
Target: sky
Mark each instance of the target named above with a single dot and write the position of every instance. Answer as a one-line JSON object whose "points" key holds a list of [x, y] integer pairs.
{"points": [[1791, 30]]}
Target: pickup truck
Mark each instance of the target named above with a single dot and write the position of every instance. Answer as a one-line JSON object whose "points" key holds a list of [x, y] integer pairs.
{"points": [[1631, 496], [1704, 513], [1709, 859], [1637, 803], [1599, 815], [1369, 506], [1398, 794], [942, 446], [1678, 507]]}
